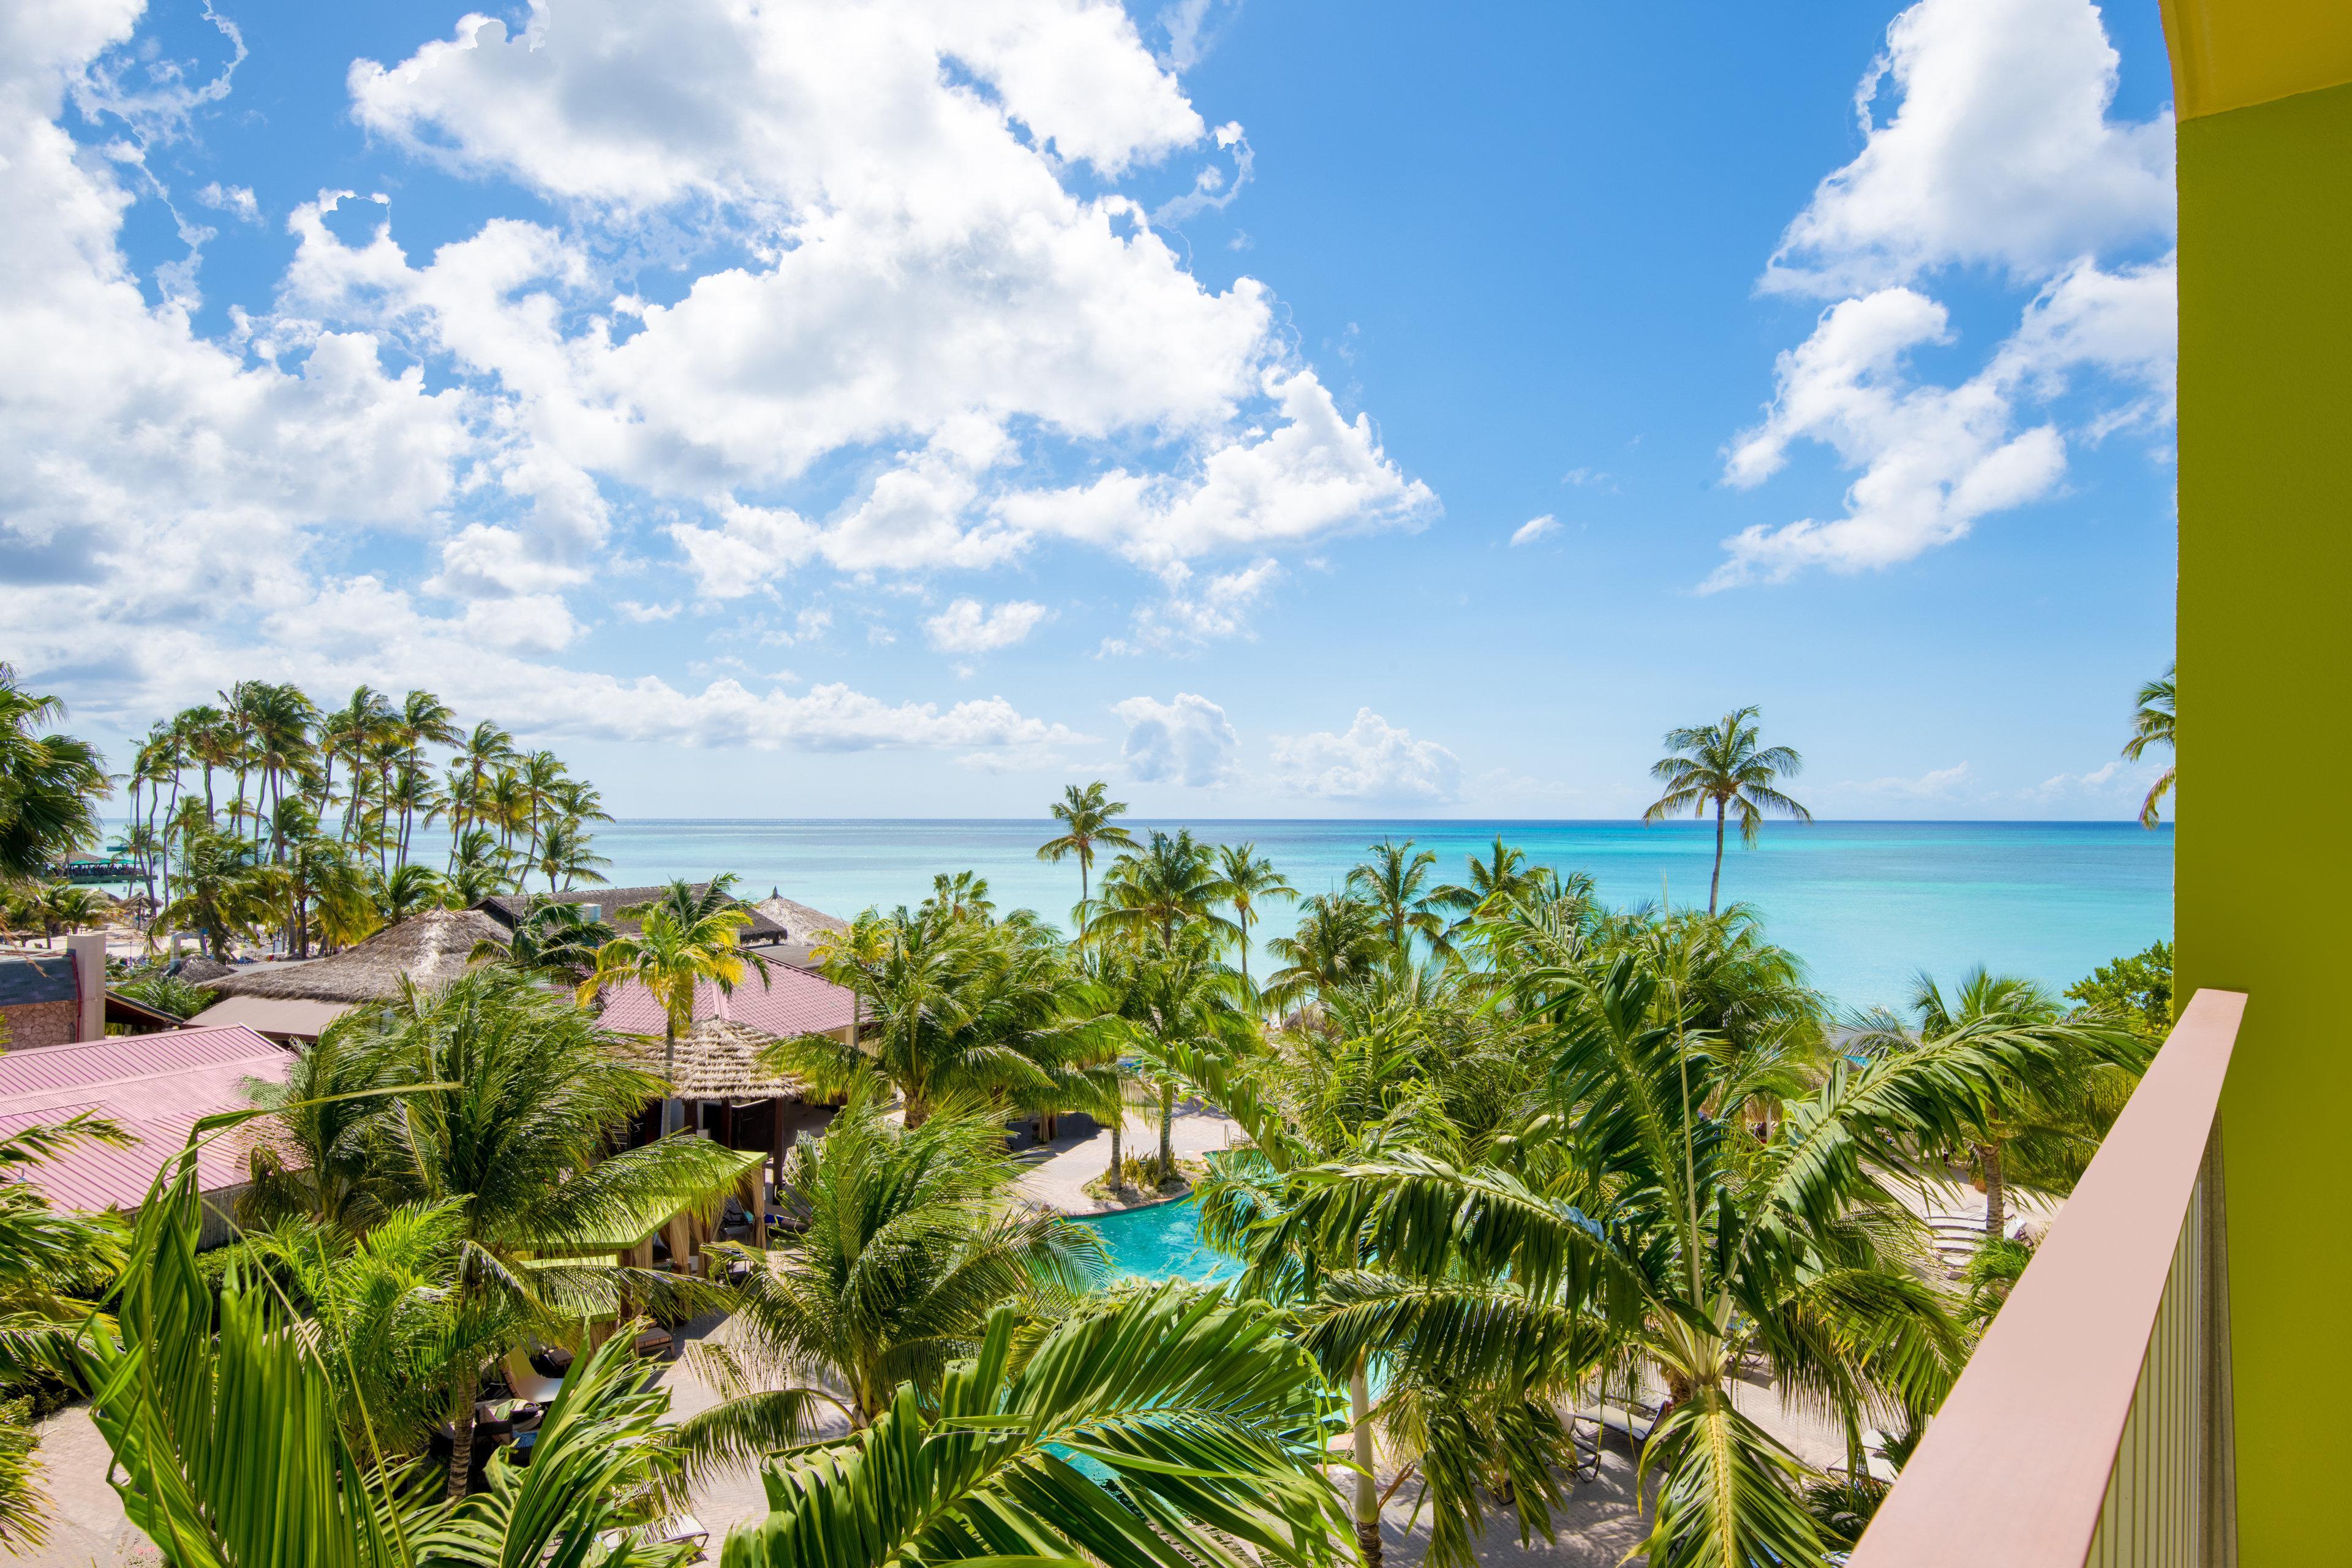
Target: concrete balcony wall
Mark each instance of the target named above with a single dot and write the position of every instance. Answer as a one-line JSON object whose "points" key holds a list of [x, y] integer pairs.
{"points": [[2263, 858]]}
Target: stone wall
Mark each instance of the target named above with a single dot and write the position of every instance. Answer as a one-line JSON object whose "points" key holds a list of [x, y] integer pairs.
{"points": [[35, 1024]]}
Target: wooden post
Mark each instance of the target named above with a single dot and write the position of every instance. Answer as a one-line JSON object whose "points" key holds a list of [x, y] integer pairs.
{"points": [[776, 1135]]}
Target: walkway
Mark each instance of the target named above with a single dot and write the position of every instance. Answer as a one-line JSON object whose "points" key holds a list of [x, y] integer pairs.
{"points": [[1059, 1170]]}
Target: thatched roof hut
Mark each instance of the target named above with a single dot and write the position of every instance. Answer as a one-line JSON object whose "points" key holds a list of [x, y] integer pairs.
{"points": [[431, 949], [195, 969], [805, 923], [718, 1059]]}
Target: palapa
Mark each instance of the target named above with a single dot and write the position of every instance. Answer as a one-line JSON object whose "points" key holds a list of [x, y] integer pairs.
{"points": [[719, 1058], [805, 923], [430, 949]]}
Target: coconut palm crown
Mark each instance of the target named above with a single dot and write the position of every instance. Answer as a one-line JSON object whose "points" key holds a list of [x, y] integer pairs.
{"points": [[2152, 726], [1721, 766]]}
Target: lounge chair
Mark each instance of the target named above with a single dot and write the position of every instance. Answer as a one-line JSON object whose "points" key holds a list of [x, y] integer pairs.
{"points": [[527, 1381], [1584, 1441]]}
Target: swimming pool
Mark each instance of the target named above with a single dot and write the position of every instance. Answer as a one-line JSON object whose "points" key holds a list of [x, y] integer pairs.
{"points": [[1161, 1243]]}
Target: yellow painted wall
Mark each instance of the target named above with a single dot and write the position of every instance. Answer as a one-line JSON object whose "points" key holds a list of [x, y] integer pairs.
{"points": [[2264, 852]]}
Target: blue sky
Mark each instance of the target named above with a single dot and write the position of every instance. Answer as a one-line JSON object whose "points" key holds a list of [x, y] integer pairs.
{"points": [[902, 409]]}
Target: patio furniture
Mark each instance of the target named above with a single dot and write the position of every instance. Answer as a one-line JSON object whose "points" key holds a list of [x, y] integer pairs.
{"points": [[527, 1381], [1584, 1441]]}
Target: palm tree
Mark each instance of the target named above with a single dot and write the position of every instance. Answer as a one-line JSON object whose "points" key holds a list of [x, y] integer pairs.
{"points": [[1788, 1237], [1187, 1003], [484, 749], [407, 890], [963, 896], [684, 940], [1721, 766], [280, 717], [1504, 874], [232, 1444], [1085, 817], [1172, 881], [324, 1166], [1395, 883], [564, 852], [1248, 878], [2051, 1119], [65, 908], [424, 721], [48, 1258], [2152, 726], [912, 1236], [1207, 1418], [513, 1104], [553, 942], [1338, 940], [957, 1009], [217, 894], [50, 785]]}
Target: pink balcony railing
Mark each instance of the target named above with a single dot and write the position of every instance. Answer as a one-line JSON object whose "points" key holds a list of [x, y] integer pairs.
{"points": [[2091, 1427]]}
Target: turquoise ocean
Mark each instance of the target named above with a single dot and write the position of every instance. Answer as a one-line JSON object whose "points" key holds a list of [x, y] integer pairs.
{"points": [[1866, 905]]}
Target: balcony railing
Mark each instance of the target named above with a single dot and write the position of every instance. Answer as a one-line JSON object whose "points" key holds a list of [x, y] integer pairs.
{"points": [[2092, 1429]]}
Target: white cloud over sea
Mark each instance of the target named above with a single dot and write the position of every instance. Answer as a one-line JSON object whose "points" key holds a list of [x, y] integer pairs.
{"points": [[1371, 761], [2000, 157], [831, 294]]}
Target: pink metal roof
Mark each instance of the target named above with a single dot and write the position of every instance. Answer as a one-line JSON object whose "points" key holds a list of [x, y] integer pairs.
{"points": [[792, 1002], [157, 1086]]}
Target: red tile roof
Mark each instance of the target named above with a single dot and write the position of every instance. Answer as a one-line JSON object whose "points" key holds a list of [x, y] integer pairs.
{"points": [[792, 1002], [157, 1086]]}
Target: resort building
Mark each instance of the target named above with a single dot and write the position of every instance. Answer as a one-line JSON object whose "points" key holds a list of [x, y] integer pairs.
{"points": [[2147, 1396], [295, 999], [53, 998], [727, 1096], [155, 1086]]}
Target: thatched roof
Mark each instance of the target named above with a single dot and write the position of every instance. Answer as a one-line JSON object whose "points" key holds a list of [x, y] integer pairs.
{"points": [[719, 1058], [804, 922], [431, 949], [195, 969]]}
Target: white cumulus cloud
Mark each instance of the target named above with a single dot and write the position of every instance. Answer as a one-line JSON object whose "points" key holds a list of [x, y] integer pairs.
{"points": [[1372, 762], [968, 626], [1535, 528], [1187, 742], [910, 323], [2001, 154]]}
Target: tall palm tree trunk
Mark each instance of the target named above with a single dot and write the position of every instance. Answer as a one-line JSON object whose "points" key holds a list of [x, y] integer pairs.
{"points": [[1118, 1124], [461, 1427], [1715, 883], [1996, 1220], [669, 1076], [1366, 1504], [1167, 1132]]}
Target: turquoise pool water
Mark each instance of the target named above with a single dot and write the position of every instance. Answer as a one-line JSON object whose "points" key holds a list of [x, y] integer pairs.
{"points": [[1161, 1243]]}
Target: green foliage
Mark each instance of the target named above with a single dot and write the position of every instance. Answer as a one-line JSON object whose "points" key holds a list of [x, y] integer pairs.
{"points": [[232, 1446], [2152, 725], [169, 994], [1720, 766], [2135, 991], [959, 1005], [53, 1265], [911, 1237], [50, 785], [264, 815], [1209, 1423]]}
